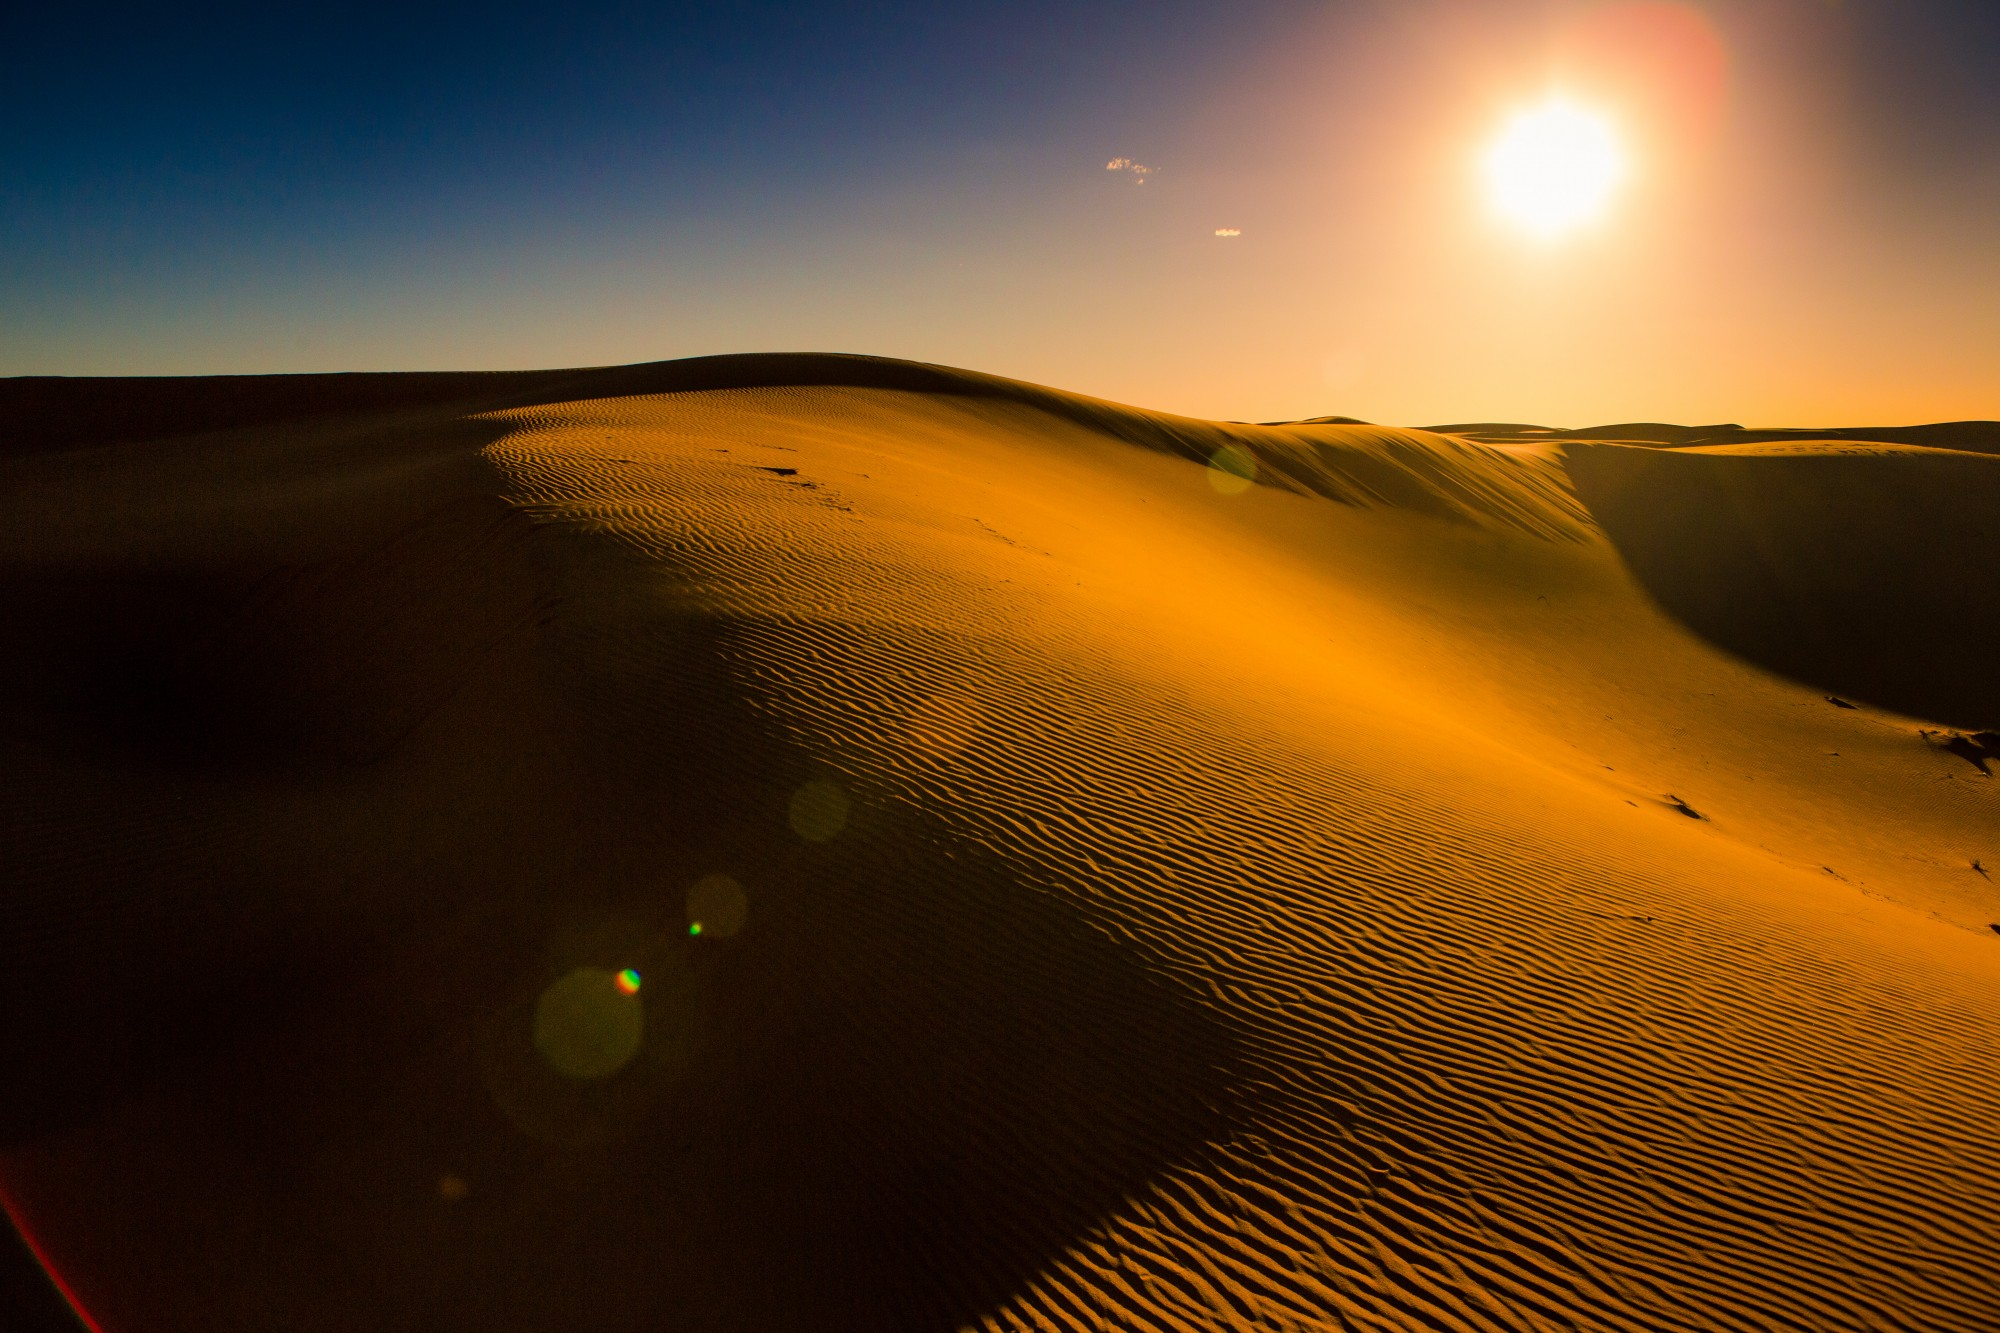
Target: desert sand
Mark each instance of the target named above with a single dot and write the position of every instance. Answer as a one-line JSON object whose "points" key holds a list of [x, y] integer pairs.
{"points": [[821, 843]]}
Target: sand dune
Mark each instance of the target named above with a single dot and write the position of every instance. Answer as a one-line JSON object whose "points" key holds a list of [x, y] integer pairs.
{"points": [[1078, 868], [1982, 437]]}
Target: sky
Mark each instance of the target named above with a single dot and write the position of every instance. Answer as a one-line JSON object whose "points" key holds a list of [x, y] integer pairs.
{"points": [[1806, 230]]}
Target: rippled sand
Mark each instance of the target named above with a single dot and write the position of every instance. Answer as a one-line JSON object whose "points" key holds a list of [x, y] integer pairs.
{"points": [[818, 843]]}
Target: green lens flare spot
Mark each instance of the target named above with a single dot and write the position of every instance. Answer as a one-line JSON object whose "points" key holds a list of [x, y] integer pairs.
{"points": [[818, 810], [587, 1025], [1231, 470], [717, 907]]}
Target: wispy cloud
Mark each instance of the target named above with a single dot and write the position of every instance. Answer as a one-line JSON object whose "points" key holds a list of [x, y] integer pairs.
{"points": [[1229, 231], [1138, 171]]}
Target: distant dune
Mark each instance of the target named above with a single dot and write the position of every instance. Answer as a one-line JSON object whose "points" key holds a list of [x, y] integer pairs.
{"points": [[1980, 437], [821, 843]]}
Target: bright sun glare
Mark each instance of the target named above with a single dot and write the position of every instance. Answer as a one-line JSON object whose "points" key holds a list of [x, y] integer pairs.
{"points": [[1553, 167]]}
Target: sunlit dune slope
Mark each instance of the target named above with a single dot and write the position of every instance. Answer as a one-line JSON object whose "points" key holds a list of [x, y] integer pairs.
{"points": [[1343, 900]]}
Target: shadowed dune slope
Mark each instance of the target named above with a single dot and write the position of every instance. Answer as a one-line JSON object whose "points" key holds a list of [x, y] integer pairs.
{"points": [[1872, 570], [1179, 875]]}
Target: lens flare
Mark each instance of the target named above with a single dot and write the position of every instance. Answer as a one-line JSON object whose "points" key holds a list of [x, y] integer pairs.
{"points": [[587, 1025], [628, 982], [1553, 167], [818, 810], [717, 907], [1232, 470], [10, 1215]]}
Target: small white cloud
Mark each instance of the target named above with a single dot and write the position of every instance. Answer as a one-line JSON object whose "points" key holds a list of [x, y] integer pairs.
{"points": [[1229, 231], [1138, 171]]}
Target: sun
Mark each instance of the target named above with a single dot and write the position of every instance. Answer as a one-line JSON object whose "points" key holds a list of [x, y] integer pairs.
{"points": [[1553, 167]]}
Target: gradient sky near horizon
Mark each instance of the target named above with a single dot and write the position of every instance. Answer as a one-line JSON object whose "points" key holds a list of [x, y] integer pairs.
{"points": [[1809, 233]]}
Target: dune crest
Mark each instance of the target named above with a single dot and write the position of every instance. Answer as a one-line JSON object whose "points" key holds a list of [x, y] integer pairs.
{"points": [[1172, 874]]}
